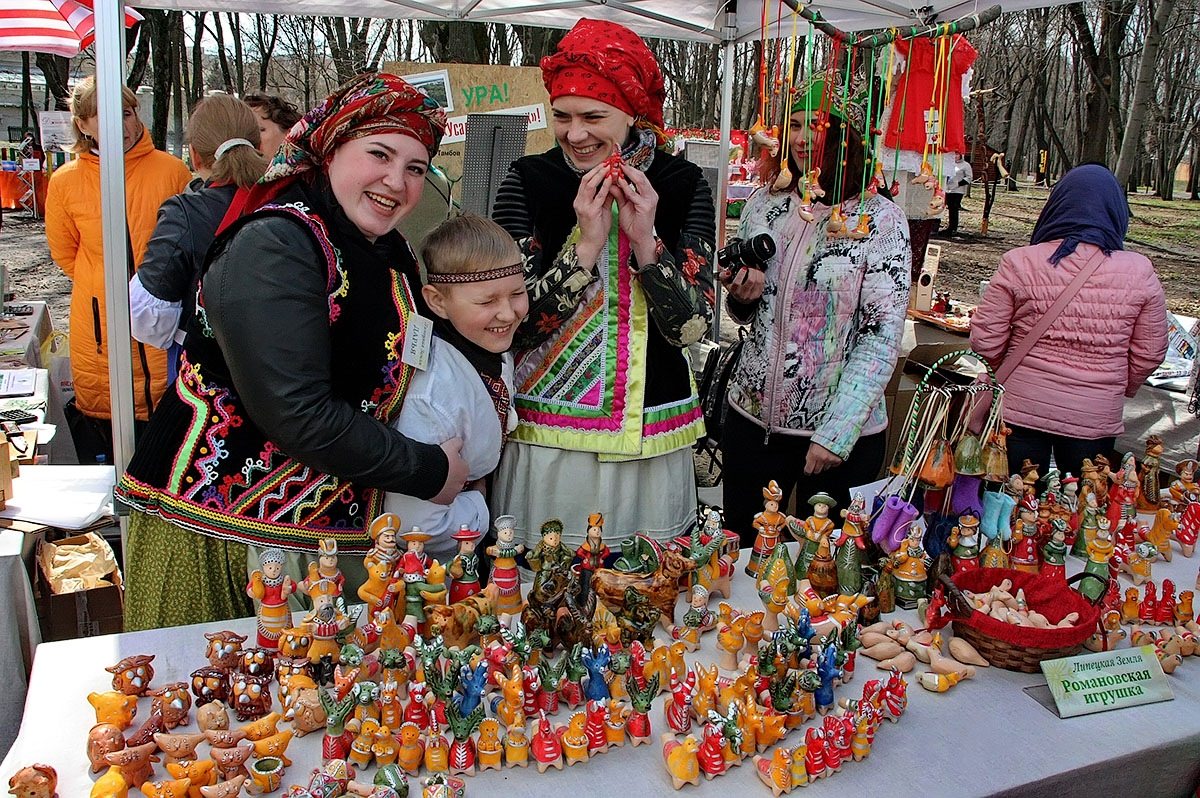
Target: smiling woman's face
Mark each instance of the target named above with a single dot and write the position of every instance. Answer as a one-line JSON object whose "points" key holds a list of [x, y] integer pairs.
{"points": [[378, 179], [586, 129]]}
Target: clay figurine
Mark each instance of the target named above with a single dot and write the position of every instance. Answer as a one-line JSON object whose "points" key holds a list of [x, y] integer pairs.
{"points": [[697, 620], [224, 649], [641, 698], [325, 621], [550, 551], [627, 592], [440, 785], [910, 570], [179, 747], [326, 567], [812, 531], [132, 675], [464, 567], [270, 587], [593, 554], [113, 707], [1024, 554], [505, 575], [769, 524], [1123, 497], [1100, 551], [250, 696], [210, 684], [681, 761], [1054, 553], [964, 543], [851, 543], [546, 746], [1089, 515], [1149, 486], [414, 543], [34, 781], [1184, 488], [173, 702], [822, 570]]}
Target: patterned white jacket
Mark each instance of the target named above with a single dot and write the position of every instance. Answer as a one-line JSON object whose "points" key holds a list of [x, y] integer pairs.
{"points": [[826, 334]]}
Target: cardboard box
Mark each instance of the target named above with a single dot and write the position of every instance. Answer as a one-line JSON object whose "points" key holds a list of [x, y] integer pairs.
{"points": [[99, 611]]}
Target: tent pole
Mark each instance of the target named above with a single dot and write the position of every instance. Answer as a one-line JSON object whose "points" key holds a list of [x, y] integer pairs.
{"points": [[729, 35], [110, 72]]}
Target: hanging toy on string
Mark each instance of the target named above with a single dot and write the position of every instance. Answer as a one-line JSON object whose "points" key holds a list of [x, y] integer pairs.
{"points": [[764, 140], [785, 179]]}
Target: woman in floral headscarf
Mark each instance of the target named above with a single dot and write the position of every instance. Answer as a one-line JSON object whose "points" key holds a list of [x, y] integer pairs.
{"points": [[618, 236], [276, 432]]}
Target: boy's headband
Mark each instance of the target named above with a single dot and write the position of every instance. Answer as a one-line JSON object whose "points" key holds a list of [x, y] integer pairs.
{"points": [[478, 277]]}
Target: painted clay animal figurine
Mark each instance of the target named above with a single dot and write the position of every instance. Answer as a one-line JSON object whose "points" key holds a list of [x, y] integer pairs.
{"points": [[516, 747], [681, 761], [210, 684], [231, 762], [114, 707], [274, 746], [225, 789], [179, 747], [174, 788], [34, 781], [103, 738], [111, 785], [574, 739], [132, 675], [200, 772], [145, 733], [545, 746], [250, 695], [489, 748], [134, 763], [173, 702], [678, 707]]}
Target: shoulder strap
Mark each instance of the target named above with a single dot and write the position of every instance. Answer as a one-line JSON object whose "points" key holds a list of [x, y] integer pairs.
{"points": [[1018, 352]]}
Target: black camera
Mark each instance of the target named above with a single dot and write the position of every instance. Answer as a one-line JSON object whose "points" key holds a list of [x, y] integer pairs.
{"points": [[751, 253]]}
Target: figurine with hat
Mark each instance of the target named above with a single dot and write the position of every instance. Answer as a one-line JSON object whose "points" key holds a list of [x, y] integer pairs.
{"points": [[768, 524], [505, 575], [383, 530], [326, 621], [1054, 553], [1089, 515], [851, 543], [1184, 487], [911, 569], [812, 530], [593, 554], [270, 587], [550, 551], [326, 567], [964, 543], [416, 590], [464, 567], [1024, 555], [1123, 497], [415, 540]]}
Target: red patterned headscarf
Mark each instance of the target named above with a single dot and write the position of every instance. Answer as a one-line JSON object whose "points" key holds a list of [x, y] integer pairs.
{"points": [[610, 63], [372, 104]]}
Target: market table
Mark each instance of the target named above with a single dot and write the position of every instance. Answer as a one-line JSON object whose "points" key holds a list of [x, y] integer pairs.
{"points": [[19, 633], [985, 737]]}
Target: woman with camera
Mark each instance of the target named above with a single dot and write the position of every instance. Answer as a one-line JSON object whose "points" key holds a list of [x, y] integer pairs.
{"points": [[826, 315], [618, 238]]}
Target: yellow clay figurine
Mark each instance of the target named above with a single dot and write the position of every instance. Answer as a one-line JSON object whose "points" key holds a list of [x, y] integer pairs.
{"points": [[167, 789], [111, 785], [574, 740], [275, 745], [114, 707], [262, 728], [226, 789], [201, 773], [411, 748], [939, 682], [489, 748], [776, 772], [681, 760]]}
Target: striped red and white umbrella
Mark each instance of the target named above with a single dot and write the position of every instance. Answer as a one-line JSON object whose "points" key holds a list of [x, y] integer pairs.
{"points": [[62, 27]]}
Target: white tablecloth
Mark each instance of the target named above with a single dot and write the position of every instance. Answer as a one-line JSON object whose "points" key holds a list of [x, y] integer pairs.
{"points": [[19, 634], [985, 737]]}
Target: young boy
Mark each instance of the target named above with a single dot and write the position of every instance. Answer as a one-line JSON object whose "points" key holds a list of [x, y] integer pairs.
{"points": [[475, 290]]}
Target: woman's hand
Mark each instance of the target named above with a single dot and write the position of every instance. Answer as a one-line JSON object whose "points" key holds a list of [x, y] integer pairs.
{"points": [[592, 206], [820, 459], [457, 472], [746, 285], [637, 202]]}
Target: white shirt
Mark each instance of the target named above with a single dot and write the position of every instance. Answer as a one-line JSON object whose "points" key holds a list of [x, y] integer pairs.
{"points": [[962, 171], [449, 400]]}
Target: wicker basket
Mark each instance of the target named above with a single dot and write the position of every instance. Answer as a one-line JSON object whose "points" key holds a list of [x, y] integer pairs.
{"points": [[1020, 648]]}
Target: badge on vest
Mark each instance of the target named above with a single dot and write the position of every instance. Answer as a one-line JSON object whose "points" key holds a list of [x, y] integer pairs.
{"points": [[418, 336]]}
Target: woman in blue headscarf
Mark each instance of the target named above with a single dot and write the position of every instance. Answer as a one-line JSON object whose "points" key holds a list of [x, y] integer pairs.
{"points": [[1066, 395]]}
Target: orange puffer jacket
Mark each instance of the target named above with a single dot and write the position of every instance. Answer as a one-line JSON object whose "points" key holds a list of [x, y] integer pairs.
{"points": [[73, 230]]}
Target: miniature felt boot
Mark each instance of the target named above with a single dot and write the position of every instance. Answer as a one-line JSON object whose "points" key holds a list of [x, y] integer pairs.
{"points": [[1004, 517], [989, 519]]}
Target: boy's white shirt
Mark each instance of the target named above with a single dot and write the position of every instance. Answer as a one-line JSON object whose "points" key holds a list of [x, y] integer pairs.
{"points": [[449, 400]]}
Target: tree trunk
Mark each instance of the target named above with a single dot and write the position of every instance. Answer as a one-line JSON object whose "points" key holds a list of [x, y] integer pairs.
{"points": [[161, 73], [222, 57], [141, 58], [27, 108], [198, 60], [178, 71], [55, 70], [1142, 91], [1103, 109], [239, 53], [536, 43]]}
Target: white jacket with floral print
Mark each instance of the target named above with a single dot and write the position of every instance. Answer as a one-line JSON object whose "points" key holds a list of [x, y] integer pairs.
{"points": [[826, 334]]}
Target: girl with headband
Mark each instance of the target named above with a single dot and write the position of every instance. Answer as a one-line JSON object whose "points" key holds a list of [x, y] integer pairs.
{"points": [[618, 238], [277, 432]]}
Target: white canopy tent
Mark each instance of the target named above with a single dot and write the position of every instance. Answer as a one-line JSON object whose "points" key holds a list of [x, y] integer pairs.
{"points": [[709, 21]]}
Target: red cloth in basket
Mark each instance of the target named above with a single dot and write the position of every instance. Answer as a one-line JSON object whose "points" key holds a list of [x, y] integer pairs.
{"points": [[1050, 597]]}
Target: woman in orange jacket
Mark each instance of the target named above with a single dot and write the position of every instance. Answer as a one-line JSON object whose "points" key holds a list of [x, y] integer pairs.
{"points": [[73, 230]]}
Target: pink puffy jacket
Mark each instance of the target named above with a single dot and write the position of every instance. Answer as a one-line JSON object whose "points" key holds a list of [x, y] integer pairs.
{"points": [[1109, 338]]}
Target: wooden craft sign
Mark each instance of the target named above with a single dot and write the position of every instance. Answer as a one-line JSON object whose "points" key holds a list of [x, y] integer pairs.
{"points": [[1107, 680]]}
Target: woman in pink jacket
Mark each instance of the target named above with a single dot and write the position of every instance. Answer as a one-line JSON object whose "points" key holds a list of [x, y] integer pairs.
{"points": [[1066, 396]]}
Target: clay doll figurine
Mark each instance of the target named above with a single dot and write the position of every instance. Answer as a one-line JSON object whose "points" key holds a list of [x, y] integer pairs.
{"points": [[416, 589], [850, 544], [822, 571], [1122, 500], [910, 571], [1149, 486], [326, 567], [1054, 553], [769, 523], [1089, 515], [1185, 488], [550, 551], [1099, 550], [1024, 555], [414, 542], [383, 531], [813, 530], [593, 553], [464, 567], [326, 622], [34, 781], [697, 620], [270, 587], [505, 575], [964, 543]]}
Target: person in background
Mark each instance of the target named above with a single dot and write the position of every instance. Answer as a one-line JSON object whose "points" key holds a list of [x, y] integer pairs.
{"points": [[607, 405], [806, 398], [475, 289], [957, 187], [73, 232], [1066, 397], [277, 432], [276, 116], [223, 138]]}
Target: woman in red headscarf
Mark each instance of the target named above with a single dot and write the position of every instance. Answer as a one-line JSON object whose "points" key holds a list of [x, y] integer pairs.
{"points": [[618, 236], [276, 432]]}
